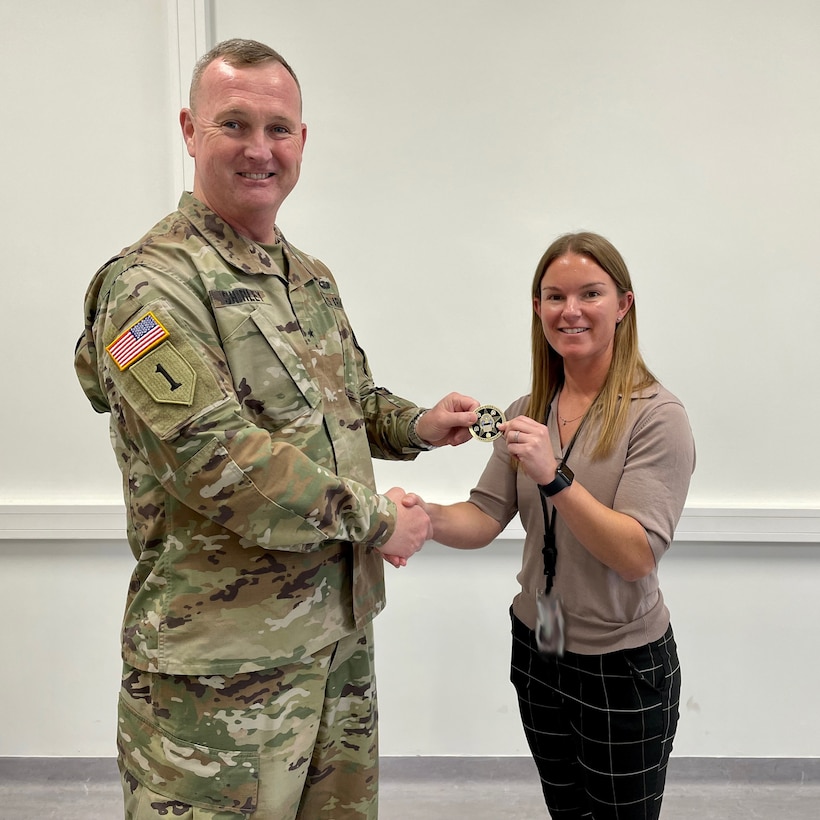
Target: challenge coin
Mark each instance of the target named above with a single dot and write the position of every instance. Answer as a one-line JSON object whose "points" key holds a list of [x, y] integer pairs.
{"points": [[486, 425]]}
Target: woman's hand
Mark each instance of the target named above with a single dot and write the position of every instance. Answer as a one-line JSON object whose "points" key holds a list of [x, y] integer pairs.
{"points": [[530, 443], [614, 538], [461, 525]]}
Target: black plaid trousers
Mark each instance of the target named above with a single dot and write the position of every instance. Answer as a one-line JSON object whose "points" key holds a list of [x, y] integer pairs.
{"points": [[600, 727]]}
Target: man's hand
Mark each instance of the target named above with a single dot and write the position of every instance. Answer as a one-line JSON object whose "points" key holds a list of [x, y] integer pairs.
{"points": [[449, 421], [413, 528]]}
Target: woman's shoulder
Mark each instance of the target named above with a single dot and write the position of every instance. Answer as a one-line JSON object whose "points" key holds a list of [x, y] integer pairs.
{"points": [[518, 407], [655, 395], [656, 402]]}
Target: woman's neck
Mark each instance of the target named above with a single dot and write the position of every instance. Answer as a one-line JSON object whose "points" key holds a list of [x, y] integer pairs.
{"points": [[584, 385]]}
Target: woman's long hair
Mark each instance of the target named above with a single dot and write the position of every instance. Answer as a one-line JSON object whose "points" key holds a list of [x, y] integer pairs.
{"points": [[627, 371]]}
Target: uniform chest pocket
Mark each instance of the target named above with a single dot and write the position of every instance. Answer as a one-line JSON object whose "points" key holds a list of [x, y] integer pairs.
{"points": [[269, 375]]}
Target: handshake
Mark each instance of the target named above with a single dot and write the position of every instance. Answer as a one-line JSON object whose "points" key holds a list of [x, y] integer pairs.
{"points": [[448, 422], [413, 527]]}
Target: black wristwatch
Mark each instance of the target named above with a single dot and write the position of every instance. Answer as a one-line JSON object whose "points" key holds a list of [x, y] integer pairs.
{"points": [[563, 478]]}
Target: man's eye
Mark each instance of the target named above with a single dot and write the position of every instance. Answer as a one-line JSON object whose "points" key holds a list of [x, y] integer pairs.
{"points": [[231, 125]]}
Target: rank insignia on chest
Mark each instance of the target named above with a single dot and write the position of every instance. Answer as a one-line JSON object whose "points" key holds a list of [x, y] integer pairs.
{"points": [[145, 334]]}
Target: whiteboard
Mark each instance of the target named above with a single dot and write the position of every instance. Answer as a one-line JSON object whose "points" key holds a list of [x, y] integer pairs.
{"points": [[450, 142]]}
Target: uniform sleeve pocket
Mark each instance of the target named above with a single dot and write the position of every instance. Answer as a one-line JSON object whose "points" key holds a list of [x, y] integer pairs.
{"points": [[169, 385], [198, 775]]}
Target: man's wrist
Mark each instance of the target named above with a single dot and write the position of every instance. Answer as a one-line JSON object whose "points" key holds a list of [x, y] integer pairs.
{"points": [[412, 433], [385, 525]]}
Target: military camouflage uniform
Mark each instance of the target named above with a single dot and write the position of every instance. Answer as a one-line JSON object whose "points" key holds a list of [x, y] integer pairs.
{"points": [[243, 417]]}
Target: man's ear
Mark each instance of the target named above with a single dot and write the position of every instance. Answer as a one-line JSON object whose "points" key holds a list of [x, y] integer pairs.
{"points": [[186, 122]]}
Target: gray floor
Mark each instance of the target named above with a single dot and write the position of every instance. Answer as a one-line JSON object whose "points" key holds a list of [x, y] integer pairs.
{"points": [[449, 788]]}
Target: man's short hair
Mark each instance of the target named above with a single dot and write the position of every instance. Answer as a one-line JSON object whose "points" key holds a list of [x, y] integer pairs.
{"points": [[237, 53]]}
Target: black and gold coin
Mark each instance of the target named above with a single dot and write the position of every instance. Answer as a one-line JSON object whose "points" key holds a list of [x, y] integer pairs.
{"points": [[486, 426]]}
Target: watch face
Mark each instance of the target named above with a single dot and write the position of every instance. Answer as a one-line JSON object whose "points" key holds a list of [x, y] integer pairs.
{"points": [[563, 478]]}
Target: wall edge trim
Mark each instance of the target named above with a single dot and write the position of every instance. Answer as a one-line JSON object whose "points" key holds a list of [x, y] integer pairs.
{"points": [[82, 522]]}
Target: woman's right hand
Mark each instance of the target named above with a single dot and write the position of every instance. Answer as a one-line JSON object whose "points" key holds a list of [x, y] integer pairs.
{"points": [[530, 443], [461, 525]]}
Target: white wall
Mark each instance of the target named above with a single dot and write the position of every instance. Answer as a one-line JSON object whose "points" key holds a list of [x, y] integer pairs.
{"points": [[87, 168], [745, 617], [448, 144]]}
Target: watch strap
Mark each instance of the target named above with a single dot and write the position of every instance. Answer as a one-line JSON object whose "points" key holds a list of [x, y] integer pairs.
{"points": [[563, 478]]}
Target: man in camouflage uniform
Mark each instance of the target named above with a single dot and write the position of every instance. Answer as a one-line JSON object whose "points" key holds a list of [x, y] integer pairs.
{"points": [[244, 417]]}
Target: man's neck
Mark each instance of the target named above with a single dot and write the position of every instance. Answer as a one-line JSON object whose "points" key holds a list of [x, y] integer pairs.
{"points": [[260, 229]]}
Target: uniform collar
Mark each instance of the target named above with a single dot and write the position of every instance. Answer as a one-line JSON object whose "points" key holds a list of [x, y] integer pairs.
{"points": [[235, 249]]}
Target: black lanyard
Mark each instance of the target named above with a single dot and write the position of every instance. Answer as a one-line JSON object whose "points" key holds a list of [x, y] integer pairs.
{"points": [[550, 551]]}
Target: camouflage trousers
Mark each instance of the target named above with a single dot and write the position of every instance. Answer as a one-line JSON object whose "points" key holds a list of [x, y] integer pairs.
{"points": [[297, 742]]}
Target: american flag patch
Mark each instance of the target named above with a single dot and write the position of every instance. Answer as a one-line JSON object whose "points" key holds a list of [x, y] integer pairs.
{"points": [[144, 334]]}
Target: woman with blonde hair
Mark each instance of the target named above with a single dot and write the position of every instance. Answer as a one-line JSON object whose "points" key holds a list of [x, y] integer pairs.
{"points": [[597, 461]]}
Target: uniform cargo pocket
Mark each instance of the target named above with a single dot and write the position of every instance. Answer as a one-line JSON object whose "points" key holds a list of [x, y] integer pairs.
{"points": [[201, 776]]}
